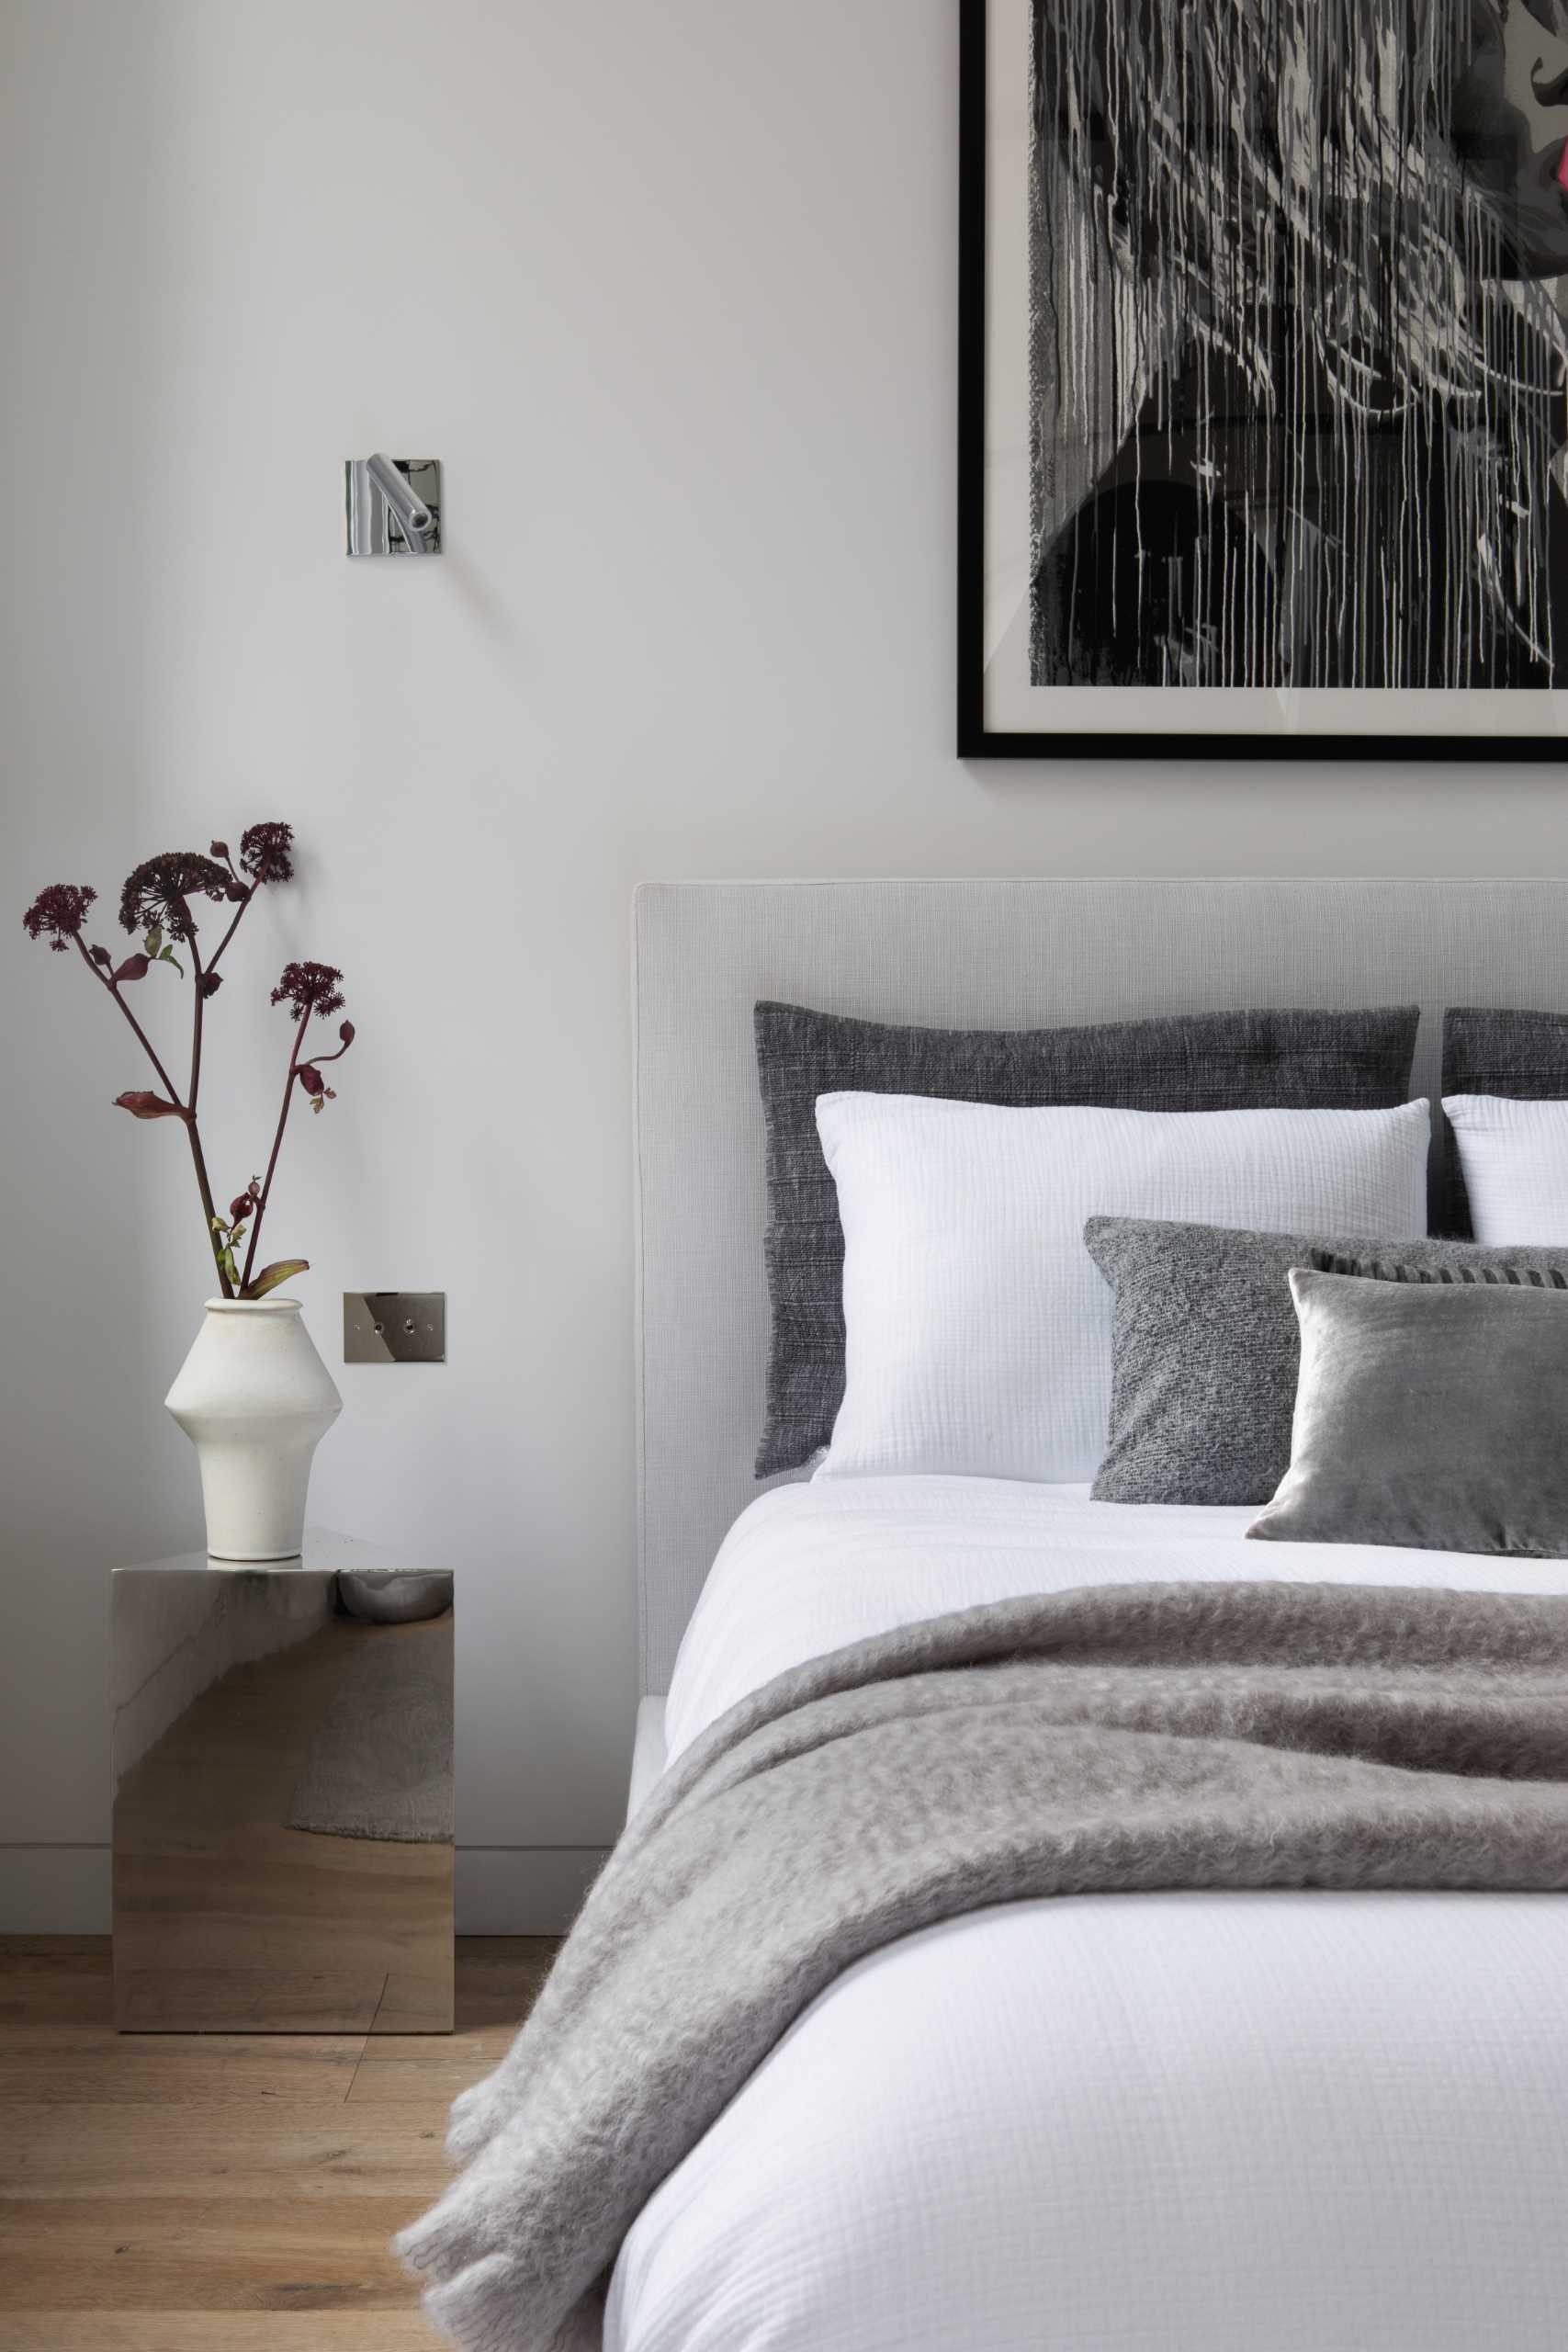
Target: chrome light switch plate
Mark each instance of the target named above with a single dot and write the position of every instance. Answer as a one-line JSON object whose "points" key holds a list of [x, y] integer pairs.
{"points": [[394, 1327]]}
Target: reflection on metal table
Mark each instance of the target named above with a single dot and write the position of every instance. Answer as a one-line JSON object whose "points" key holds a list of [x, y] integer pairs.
{"points": [[283, 1811]]}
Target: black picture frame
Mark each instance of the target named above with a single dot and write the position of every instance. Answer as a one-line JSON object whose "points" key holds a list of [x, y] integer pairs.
{"points": [[975, 740]]}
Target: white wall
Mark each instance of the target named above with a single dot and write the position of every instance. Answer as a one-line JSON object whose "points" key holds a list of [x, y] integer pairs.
{"points": [[670, 290]]}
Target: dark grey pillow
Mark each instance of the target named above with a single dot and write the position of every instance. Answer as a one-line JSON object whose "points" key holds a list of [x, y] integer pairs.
{"points": [[1428, 1414], [1513, 1267], [1209, 1062], [1489, 1050], [1205, 1346]]}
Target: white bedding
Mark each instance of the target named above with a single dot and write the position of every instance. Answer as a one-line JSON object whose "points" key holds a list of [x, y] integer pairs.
{"points": [[1188, 2122]]}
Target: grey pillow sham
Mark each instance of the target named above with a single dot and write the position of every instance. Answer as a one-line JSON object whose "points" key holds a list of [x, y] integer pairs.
{"points": [[1493, 1050], [1429, 1414], [1205, 1345], [1213, 1061]]}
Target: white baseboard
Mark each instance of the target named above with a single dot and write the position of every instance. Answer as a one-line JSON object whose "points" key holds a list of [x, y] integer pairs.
{"points": [[54, 1890], [523, 1889], [501, 1889]]}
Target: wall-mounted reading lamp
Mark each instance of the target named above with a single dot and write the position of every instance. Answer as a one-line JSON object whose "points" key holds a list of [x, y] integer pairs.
{"points": [[393, 506]]}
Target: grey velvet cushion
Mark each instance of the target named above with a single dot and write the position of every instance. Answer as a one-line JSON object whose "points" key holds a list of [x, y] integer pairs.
{"points": [[1429, 1413], [1493, 1050], [1212, 1061], [1205, 1345]]}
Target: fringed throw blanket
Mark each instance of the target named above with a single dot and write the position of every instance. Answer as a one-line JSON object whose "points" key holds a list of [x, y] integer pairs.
{"points": [[1115, 1738]]}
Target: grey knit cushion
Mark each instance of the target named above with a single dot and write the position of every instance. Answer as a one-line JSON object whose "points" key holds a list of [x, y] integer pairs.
{"points": [[1206, 1345], [1488, 1050], [1213, 1061], [1431, 1414]]}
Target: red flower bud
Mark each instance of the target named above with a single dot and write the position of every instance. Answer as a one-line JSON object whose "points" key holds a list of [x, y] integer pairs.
{"points": [[148, 1107]]}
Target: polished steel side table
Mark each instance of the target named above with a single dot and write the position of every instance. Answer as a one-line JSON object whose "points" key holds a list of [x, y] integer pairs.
{"points": [[283, 1809]]}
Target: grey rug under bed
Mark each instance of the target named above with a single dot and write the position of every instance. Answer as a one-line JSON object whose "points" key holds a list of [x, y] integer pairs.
{"points": [[380, 1763]]}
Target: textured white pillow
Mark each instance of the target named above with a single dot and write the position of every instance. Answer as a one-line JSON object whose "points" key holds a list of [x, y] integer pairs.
{"points": [[977, 1325], [1514, 1157]]}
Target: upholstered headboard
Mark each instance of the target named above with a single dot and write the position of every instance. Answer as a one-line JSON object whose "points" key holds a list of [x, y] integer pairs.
{"points": [[970, 953]]}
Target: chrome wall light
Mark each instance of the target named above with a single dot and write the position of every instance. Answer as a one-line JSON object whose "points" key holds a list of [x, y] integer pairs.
{"points": [[393, 506]]}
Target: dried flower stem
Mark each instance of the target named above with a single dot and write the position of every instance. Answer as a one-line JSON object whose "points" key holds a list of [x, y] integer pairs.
{"points": [[157, 899], [277, 1145], [250, 889], [103, 978], [196, 1024], [186, 1110]]}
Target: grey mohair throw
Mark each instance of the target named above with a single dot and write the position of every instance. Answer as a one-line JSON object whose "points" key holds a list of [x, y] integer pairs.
{"points": [[1127, 1737]]}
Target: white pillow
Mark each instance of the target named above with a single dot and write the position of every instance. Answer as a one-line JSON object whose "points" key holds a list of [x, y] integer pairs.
{"points": [[979, 1326], [1514, 1157]]}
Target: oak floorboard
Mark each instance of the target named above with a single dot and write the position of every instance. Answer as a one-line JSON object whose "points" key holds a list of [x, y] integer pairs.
{"points": [[400, 2068], [94, 2066], [201, 2253], [230, 2192], [14, 1948], [378, 2331], [134, 2150], [69, 1988]]}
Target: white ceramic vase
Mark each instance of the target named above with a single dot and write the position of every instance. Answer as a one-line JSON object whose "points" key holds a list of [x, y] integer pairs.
{"points": [[255, 1399]]}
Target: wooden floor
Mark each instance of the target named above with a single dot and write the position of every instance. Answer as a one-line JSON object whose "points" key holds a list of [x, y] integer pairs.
{"points": [[223, 2192]]}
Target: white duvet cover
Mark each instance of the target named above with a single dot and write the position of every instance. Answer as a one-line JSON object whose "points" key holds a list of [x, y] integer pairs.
{"points": [[1186, 2122]]}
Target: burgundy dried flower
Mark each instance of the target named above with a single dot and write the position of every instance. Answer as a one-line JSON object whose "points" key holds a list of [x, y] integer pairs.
{"points": [[155, 895], [61, 910], [265, 853], [310, 988], [210, 983]]}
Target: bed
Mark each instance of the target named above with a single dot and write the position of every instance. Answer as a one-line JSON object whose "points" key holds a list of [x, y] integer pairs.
{"points": [[861, 2046], [1209, 2120], [1190, 2121]]}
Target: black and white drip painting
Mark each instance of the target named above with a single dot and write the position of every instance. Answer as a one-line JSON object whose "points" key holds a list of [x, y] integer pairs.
{"points": [[1297, 374]]}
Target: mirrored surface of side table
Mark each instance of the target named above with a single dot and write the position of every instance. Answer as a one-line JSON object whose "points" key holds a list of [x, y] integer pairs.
{"points": [[283, 1809]]}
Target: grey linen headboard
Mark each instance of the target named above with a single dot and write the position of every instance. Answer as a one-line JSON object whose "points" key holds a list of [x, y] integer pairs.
{"points": [[963, 953]]}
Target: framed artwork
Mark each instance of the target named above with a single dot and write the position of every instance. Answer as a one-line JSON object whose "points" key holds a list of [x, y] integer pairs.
{"points": [[1263, 403]]}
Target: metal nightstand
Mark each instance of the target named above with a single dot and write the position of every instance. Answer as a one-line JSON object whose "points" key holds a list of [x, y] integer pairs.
{"points": [[283, 1811]]}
